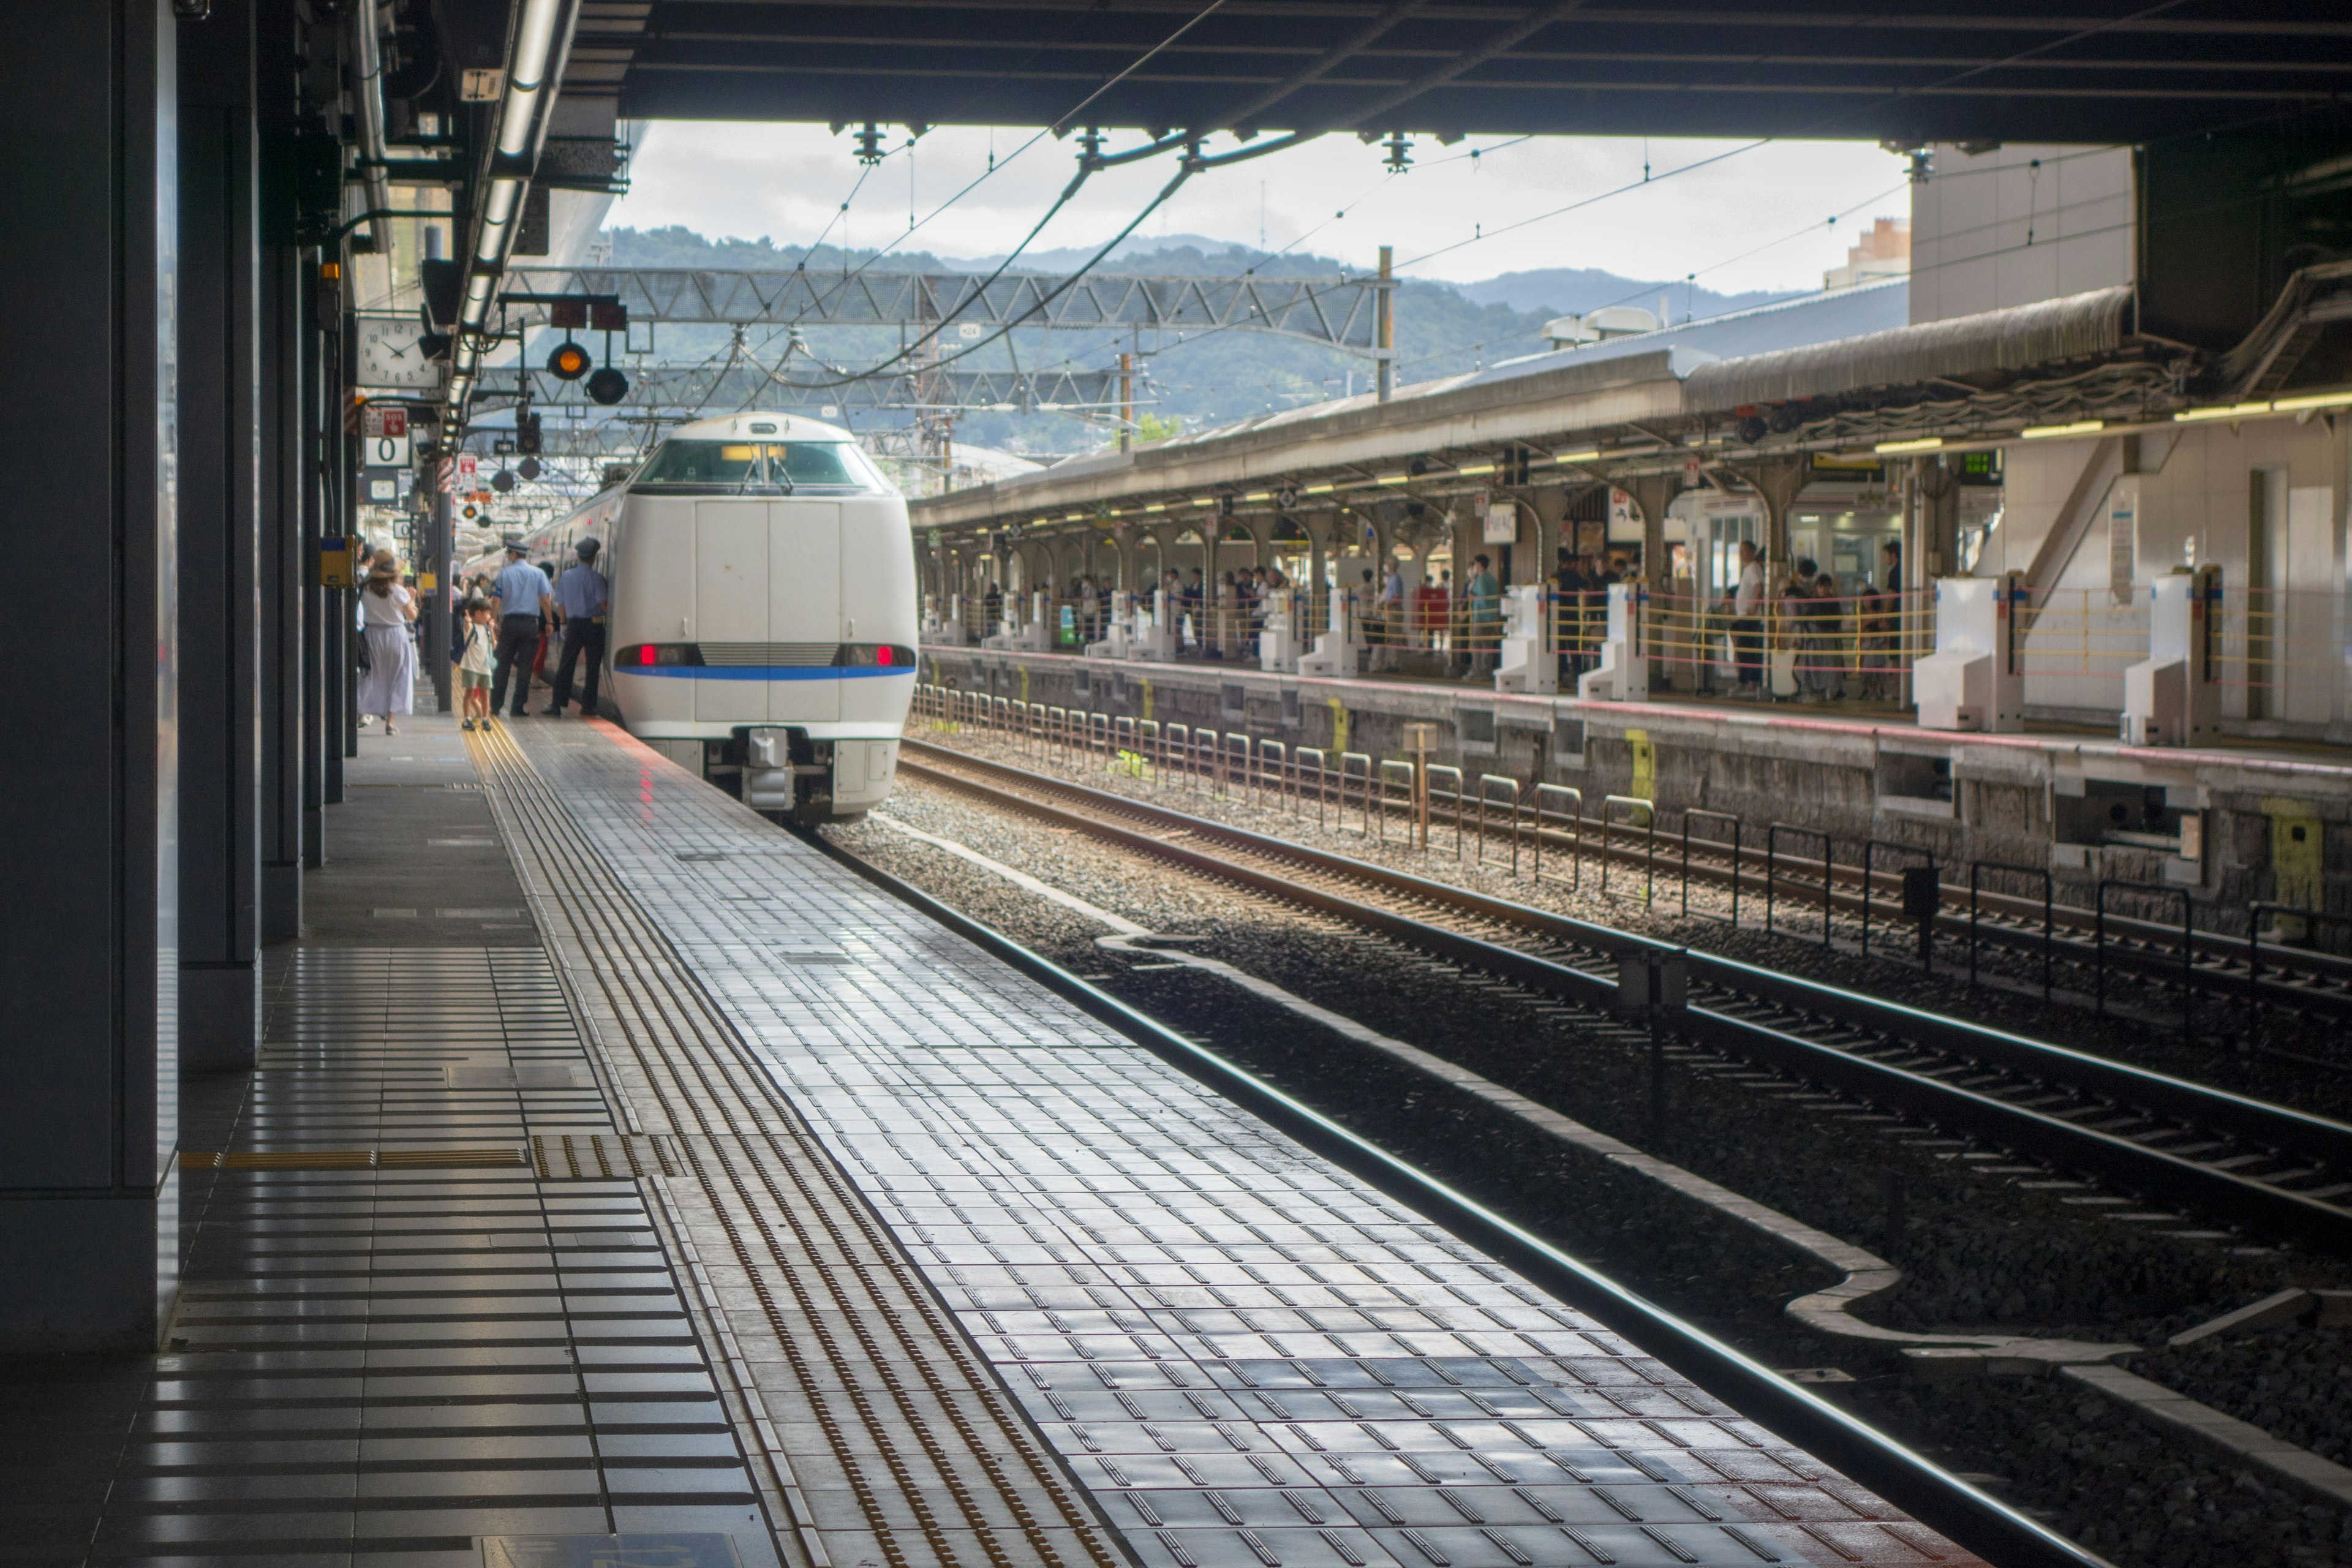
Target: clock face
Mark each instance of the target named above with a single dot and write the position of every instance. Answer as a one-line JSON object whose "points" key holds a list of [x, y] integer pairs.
{"points": [[390, 357]]}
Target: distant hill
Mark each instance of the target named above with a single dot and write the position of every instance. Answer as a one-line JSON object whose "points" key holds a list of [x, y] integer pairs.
{"points": [[1199, 379], [1562, 290]]}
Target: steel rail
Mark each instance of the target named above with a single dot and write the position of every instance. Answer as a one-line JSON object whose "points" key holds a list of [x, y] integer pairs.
{"points": [[1929, 1494], [2128, 1162]]}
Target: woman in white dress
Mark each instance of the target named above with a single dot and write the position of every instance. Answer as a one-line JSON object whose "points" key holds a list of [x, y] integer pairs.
{"points": [[389, 685]]}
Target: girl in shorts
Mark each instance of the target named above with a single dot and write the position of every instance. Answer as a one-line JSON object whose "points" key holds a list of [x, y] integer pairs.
{"points": [[474, 669]]}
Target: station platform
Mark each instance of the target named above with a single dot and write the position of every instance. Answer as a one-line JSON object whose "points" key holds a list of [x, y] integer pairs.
{"points": [[718, 1208]]}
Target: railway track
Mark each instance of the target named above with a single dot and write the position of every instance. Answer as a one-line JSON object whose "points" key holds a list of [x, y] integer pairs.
{"points": [[2177, 965], [2241, 1162]]}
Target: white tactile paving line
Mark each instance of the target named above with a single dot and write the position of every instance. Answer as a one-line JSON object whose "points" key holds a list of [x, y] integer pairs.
{"points": [[1251, 1358]]}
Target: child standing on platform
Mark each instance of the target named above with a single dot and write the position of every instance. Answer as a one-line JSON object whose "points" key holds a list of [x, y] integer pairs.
{"points": [[473, 668]]}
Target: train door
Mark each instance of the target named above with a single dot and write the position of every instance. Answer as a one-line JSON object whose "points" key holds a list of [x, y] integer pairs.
{"points": [[730, 602], [804, 590]]}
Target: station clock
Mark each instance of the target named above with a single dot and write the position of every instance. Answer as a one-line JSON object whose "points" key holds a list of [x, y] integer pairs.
{"points": [[392, 355]]}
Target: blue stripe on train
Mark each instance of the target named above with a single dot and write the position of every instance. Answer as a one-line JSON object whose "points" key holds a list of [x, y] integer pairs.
{"points": [[762, 672]]}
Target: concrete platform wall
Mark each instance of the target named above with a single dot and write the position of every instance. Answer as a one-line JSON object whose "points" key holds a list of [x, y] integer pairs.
{"points": [[2018, 800]]}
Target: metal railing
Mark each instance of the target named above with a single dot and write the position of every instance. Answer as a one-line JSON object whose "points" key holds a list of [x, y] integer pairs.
{"points": [[1574, 818], [1977, 868], [1633, 807], [1772, 832], [1487, 784], [1871, 849], [2163, 891], [1723, 818]]}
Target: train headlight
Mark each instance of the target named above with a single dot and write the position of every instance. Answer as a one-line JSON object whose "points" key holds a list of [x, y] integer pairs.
{"points": [[643, 655], [867, 656]]}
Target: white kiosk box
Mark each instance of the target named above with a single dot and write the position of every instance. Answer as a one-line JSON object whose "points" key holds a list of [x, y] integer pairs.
{"points": [[1032, 636], [1336, 648], [1973, 681], [1155, 633], [2170, 698], [1278, 640], [1624, 673], [1529, 662]]}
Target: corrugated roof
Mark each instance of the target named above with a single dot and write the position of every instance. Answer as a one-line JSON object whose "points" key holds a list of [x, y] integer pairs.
{"points": [[1763, 329], [2015, 337]]}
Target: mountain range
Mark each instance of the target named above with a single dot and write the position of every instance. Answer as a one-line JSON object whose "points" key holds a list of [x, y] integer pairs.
{"points": [[1442, 328]]}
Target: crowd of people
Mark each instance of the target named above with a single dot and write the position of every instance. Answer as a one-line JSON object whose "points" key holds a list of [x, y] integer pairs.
{"points": [[1794, 634], [1803, 636], [526, 620]]}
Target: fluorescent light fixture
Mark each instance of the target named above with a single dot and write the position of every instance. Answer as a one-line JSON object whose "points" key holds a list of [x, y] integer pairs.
{"points": [[1205, 500], [1259, 495], [2336, 399], [1473, 470], [2231, 411], [1074, 517], [1157, 506], [1317, 491], [2079, 427], [1893, 449], [1393, 480], [1581, 455], [534, 42]]}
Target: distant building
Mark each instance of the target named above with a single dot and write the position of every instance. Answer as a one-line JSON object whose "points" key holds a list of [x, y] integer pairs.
{"points": [[1885, 251]]}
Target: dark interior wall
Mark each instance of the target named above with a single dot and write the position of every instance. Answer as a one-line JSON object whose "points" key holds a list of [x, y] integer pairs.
{"points": [[2227, 218]]}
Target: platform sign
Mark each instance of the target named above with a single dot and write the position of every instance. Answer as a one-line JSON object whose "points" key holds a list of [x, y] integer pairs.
{"points": [[1502, 522], [469, 476], [383, 438], [2123, 538]]}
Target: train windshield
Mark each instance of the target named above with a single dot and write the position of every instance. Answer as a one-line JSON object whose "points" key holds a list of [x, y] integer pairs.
{"points": [[761, 467]]}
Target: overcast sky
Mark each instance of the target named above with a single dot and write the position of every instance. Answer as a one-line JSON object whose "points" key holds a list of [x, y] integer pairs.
{"points": [[789, 182]]}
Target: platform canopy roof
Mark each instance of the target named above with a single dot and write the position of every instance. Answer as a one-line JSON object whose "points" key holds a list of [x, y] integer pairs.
{"points": [[2083, 70]]}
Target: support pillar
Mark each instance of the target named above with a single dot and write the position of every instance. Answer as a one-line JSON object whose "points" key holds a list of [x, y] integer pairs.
{"points": [[1937, 548], [1777, 482], [219, 470], [282, 647], [89, 960], [317, 707]]}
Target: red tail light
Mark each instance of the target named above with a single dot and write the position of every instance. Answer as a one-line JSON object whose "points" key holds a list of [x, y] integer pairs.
{"points": [[885, 655], [646, 654]]}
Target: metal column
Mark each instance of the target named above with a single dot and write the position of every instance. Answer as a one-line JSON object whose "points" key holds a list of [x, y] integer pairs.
{"points": [[282, 562], [220, 818], [310, 498], [89, 947]]}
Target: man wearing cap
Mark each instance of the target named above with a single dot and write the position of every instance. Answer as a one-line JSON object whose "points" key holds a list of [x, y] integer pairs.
{"points": [[582, 599], [520, 596]]}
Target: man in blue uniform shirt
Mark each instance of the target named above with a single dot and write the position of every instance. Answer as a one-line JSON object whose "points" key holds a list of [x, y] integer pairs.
{"points": [[521, 596], [582, 599]]}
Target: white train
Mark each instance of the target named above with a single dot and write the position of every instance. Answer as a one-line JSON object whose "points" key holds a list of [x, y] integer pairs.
{"points": [[763, 622]]}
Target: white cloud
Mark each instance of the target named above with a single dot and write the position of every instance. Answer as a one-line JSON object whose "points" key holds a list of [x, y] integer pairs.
{"points": [[789, 182]]}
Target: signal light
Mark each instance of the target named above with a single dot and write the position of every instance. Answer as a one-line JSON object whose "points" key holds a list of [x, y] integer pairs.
{"points": [[607, 386], [568, 360]]}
